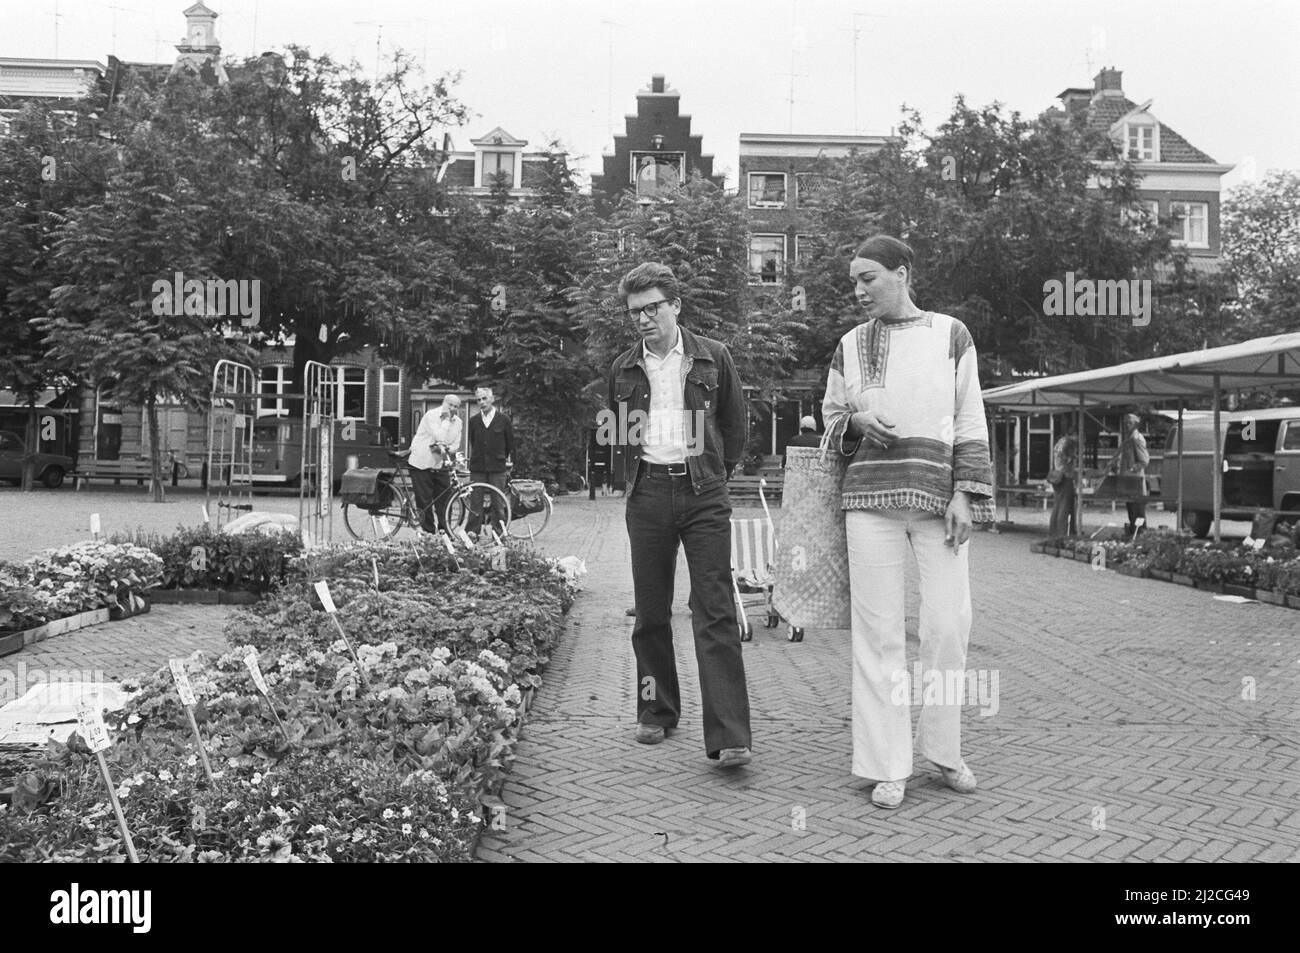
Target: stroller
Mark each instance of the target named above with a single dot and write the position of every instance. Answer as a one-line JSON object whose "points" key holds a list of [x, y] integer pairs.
{"points": [[753, 556]]}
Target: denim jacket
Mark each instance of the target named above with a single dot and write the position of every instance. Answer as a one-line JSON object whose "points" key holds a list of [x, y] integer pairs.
{"points": [[711, 386]]}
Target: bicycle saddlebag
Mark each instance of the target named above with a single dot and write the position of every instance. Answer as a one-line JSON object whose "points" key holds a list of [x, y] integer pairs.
{"points": [[366, 489], [527, 496]]}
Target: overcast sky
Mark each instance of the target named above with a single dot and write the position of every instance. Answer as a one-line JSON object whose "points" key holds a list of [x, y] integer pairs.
{"points": [[1225, 76]]}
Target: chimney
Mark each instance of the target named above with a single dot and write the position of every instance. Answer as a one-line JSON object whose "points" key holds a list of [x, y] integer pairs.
{"points": [[1075, 98], [657, 83], [1108, 83]]}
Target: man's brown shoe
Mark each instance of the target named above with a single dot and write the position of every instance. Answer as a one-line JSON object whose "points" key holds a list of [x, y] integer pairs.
{"points": [[649, 734]]}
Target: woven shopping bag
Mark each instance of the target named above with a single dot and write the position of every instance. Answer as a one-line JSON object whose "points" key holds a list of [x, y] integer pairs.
{"points": [[811, 586]]}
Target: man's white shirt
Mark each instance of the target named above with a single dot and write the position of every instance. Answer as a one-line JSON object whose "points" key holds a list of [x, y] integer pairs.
{"points": [[664, 439], [434, 429]]}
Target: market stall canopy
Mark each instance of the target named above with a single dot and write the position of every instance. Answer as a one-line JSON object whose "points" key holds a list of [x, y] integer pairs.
{"points": [[1260, 363]]}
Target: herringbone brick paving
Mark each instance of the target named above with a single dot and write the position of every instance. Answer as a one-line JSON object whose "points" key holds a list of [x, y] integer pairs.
{"points": [[1123, 730]]}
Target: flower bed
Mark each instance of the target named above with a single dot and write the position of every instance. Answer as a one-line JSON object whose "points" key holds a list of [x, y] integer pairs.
{"points": [[198, 558], [1270, 574], [72, 580], [395, 766]]}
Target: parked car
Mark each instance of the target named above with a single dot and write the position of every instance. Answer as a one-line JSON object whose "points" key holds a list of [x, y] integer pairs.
{"points": [[1261, 466], [50, 467]]}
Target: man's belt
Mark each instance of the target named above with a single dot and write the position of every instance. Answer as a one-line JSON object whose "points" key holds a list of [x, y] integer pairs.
{"points": [[665, 469]]}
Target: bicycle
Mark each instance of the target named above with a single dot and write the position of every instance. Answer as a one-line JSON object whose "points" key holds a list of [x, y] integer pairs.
{"points": [[396, 507], [531, 508]]}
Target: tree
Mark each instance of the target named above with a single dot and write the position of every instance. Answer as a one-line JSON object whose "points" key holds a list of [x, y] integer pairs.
{"points": [[109, 320], [42, 174], [1261, 244], [995, 207], [702, 234], [331, 203]]}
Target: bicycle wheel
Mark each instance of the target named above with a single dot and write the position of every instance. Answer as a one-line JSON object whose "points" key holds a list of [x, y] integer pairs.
{"points": [[528, 525], [468, 504], [377, 524]]}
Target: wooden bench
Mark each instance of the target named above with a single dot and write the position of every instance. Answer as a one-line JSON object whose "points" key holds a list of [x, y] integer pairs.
{"points": [[115, 470], [743, 490]]}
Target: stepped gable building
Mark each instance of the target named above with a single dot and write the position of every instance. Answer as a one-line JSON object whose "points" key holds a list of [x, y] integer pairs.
{"points": [[1179, 182], [656, 151]]}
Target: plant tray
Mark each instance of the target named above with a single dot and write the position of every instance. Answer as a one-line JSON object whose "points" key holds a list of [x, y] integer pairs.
{"points": [[211, 597], [60, 626]]}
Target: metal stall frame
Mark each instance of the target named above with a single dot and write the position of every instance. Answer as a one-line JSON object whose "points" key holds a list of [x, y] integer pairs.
{"points": [[315, 515], [229, 459]]}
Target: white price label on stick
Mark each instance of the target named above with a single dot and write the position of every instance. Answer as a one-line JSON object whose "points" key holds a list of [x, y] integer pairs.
{"points": [[323, 591], [206, 518], [250, 660], [94, 524], [90, 723], [183, 687]]}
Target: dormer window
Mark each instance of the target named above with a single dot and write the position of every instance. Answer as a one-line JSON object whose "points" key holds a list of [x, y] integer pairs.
{"points": [[498, 163], [1141, 141]]}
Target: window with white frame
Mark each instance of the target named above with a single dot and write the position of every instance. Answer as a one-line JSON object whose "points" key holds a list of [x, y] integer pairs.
{"points": [[390, 401], [273, 381], [1140, 139], [498, 163], [1190, 224], [766, 258], [767, 190], [351, 398]]}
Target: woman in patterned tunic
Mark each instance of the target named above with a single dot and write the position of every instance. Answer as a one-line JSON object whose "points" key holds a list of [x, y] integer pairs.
{"points": [[903, 401]]}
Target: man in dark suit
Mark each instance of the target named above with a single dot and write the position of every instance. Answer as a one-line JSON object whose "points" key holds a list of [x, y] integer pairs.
{"points": [[491, 455]]}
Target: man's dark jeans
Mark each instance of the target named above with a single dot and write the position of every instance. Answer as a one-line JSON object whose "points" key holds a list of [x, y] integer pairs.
{"points": [[430, 487], [661, 512], [497, 507]]}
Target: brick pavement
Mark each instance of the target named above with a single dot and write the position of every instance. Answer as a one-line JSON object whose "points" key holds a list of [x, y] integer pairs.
{"points": [[1121, 732], [122, 649]]}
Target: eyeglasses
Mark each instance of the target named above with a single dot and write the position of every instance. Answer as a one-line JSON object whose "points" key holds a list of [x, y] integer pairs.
{"points": [[649, 310]]}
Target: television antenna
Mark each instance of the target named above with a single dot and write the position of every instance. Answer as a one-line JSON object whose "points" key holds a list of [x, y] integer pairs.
{"points": [[609, 105], [115, 8], [857, 31]]}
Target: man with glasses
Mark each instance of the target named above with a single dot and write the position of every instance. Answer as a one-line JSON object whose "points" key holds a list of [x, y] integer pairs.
{"points": [[436, 442], [681, 431]]}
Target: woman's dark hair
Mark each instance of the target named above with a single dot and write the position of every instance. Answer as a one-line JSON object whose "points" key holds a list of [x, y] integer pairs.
{"points": [[887, 250]]}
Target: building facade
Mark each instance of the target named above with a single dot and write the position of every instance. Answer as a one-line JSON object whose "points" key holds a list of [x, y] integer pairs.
{"points": [[656, 151], [496, 159], [1180, 184], [778, 181]]}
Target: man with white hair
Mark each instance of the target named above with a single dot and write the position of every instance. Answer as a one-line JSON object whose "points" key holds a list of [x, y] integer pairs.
{"points": [[808, 435], [436, 440], [491, 455]]}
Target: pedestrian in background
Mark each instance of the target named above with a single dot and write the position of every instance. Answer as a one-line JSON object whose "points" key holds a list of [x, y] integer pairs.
{"points": [[903, 402], [1130, 464], [434, 446], [677, 498], [808, 435], [1063, 478], [491, 455]]}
